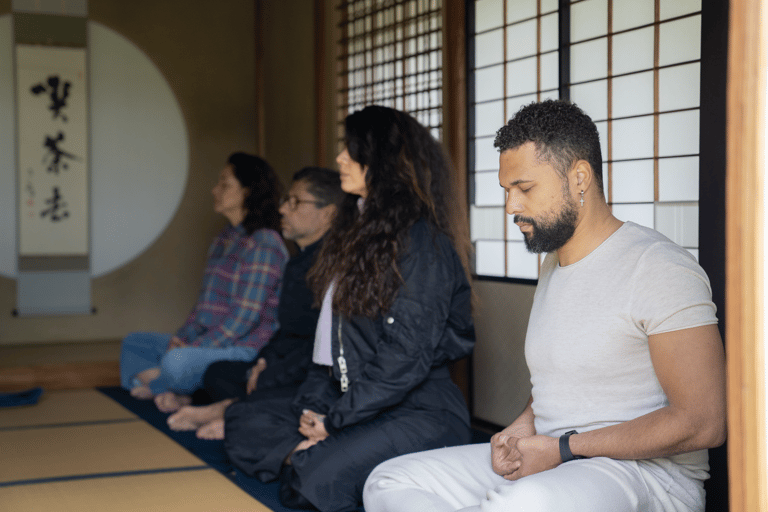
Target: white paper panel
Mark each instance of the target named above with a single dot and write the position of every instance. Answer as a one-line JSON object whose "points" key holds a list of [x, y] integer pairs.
{"points": [[521, 77], [592, 98], [550, 72], [486, 156], [549, 32], [489, 48], [633, 51], [489, 83], [606, 179], [633, 181], [487, 189], [633, 138], [515, 104], [488, 14], [679, 179], [589, 60], [679, 133], [486, 223], [680, 41], [547, 5], [489, 258], [521, 40], [679, 223], [633, 95], [673, 8], [638, 213], [632, 13], [520, 10], [589, 19], [489, 117], [521, 263], [694, 253], [679, 87]]}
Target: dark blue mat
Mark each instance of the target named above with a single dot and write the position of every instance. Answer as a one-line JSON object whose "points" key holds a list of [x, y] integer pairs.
{"points": [[212, 452], [28, 397]]}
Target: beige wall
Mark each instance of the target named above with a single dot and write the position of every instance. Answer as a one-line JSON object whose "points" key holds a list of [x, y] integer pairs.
{"points": [[501, 382], [206, 52], [288, 65]]}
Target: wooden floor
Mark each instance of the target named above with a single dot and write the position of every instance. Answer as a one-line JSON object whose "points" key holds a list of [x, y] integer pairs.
{"points": [[80, 451]]}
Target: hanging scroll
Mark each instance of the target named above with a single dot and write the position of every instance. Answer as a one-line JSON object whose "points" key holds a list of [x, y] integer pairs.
{"points": [[52, 140]]}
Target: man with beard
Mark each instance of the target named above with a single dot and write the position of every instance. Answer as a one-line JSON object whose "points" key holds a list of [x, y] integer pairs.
{"points": [[626, 361]]}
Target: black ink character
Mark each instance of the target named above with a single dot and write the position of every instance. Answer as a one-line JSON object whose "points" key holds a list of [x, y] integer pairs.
{"points": [[57, 206], [58, 98], [56, 154]]}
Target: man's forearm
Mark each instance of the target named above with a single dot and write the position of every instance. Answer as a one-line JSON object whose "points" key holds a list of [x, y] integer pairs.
{"points": [[661, 433]]}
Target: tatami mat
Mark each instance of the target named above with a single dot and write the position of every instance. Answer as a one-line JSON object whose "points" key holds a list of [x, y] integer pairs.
{"points": [[58, 407], [87, 449], [189, 491]]}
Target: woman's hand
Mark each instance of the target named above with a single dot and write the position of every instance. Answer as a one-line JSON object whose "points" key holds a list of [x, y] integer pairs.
{"points": [[312, 426], [253, 375]]}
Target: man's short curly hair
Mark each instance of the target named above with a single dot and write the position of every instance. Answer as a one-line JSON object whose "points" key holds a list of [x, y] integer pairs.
{"points": [[561, 132]]}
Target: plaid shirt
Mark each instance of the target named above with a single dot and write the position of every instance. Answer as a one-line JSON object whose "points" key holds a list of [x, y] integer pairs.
{"points": [[240, 292]]}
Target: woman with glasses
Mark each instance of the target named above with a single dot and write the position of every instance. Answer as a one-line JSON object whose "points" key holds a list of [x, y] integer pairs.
{"points": [[391, 279], [235, 314]]}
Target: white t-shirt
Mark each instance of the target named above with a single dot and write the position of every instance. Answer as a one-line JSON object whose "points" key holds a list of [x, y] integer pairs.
{"points": [[587, 341]]}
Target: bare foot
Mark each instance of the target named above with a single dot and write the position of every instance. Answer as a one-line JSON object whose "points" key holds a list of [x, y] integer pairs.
{"points": [[148, 375], [192, 418], [171, 402], [212, 430], [142, 392]]}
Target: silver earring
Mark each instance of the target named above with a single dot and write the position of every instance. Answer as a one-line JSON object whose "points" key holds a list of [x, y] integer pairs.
{"points": [[582, 198]]}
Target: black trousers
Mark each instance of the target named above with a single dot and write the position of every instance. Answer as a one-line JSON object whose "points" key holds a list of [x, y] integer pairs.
{"points": [[226, 379], [260, 434]]}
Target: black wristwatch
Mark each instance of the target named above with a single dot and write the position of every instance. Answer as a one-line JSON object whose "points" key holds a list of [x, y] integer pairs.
{"points": [[565, 448]]}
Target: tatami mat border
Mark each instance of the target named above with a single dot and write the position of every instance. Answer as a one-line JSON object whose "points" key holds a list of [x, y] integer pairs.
{"points": [[70, 424], [93, 476]]}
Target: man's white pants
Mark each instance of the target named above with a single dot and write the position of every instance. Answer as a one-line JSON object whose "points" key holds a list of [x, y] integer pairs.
{"points": [[462, 479]]}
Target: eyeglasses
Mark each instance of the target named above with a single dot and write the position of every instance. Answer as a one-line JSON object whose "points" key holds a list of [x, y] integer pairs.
{"points": [[293, 202]]}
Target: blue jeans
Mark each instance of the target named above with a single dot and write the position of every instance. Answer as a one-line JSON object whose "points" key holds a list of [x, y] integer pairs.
{"points": [[181, 369]]}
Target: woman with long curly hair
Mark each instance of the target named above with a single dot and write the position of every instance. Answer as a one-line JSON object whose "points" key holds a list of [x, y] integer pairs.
{"points": [[392, 283], [235, 314]]}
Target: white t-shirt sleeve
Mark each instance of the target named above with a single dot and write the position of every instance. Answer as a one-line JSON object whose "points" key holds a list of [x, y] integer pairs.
{"points": [[670, 291]]}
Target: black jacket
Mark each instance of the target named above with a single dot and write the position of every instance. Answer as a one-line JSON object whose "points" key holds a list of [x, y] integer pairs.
{"points": [[289, 352], [392, 360]]}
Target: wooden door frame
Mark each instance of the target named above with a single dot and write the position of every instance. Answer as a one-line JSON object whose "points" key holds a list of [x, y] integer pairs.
{"points": [[744, 257]]}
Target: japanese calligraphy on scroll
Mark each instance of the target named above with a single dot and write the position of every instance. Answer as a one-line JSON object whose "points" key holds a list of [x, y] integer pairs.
{"points": [[52, 142]]}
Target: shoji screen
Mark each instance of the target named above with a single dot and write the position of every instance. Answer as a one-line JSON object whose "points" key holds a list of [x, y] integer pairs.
{"points": [[633, 66], [392, 56]]}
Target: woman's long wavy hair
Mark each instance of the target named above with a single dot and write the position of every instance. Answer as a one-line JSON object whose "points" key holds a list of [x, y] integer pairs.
{"points": [[264, 190], [408, 177]]}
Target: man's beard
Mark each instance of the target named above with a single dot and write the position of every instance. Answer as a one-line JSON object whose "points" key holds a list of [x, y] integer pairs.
{"points": [[549, 235]]}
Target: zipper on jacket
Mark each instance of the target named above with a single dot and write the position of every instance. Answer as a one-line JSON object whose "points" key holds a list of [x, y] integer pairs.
{"points": [[342, 363]]}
